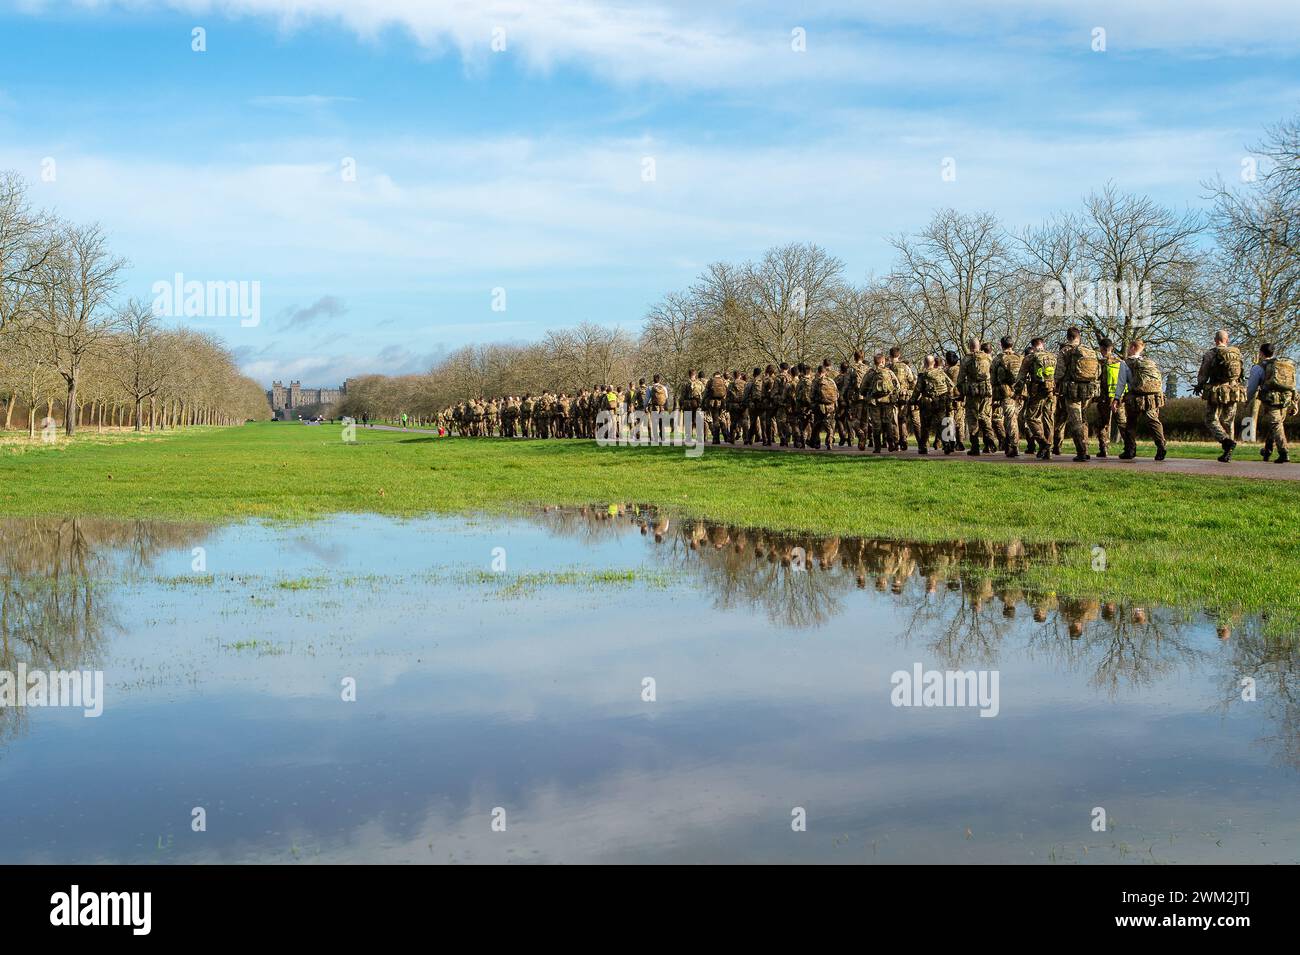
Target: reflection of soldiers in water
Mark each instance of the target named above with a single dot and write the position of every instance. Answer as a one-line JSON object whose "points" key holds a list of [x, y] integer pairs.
{"points": [[53, 614], [966, 594]]}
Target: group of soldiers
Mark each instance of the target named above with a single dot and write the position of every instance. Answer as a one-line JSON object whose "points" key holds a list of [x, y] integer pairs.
{"points": [[981, 402]]}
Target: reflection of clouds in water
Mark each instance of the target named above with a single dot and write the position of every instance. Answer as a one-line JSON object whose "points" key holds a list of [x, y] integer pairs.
{"points": [[772, 654]]}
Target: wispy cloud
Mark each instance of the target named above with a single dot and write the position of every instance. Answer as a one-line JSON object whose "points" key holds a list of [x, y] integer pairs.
{"points": [[325, 307]]}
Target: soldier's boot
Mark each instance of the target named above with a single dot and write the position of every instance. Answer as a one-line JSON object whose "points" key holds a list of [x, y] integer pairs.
{"points": [[974, 450], [1101, 450], [1266, 451], [949, 447], [1161, 452], [960, 446], [876, 444], [1013, 451], [1228, 446], [1283, 457], [1044, 453]]}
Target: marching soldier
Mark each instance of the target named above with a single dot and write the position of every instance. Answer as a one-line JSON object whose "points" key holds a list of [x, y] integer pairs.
{"points": [[1006, 400], [879, 390], [1078, 372], [1139, 386], [1110, 410], [975, 385], [1221, 382], [1272, 381]]}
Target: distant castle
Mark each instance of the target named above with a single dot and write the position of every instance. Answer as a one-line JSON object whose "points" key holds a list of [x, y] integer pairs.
{"points": [[284, 400]]}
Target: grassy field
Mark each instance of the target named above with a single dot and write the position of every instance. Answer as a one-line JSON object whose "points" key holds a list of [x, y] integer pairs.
{"points": [[1225, 546]]}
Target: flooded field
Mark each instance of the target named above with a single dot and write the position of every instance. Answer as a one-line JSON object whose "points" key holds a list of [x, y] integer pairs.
{"points": [[613, 685]]}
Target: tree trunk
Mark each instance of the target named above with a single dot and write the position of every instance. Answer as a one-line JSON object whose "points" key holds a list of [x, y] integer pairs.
{"points": [[9, 409], [69, 420], [139, 412]]}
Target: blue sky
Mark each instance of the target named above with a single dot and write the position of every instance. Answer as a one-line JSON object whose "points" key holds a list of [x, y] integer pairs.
{"points": [[523, 169]]}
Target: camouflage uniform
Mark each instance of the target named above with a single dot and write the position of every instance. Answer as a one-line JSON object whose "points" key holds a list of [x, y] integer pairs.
{"points": [[879, 390], [715, 402], [1037, 382], [1275, 403], [1007, 402], [1221, 381], [823, 410], [1078, 388], [975, 385], [736, 389], [856, 401], [908, 414], [1142, 402], [1108, 415], [1006, 394], [957, 405], [932, 398]]}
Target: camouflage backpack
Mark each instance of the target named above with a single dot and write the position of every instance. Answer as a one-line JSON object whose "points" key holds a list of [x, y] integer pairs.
{"points": [[1042, 373], [1278, 387], [883, 384], [978, 380], [826, 392], [695, 388], [934, 386], [904, 373], [1225, 368], [658, 395], [1006, 373], [1083, 365], [717, 388], [857, 376], [1144, 376]]}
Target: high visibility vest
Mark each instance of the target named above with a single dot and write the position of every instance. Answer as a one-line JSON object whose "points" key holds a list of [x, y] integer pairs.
{"points": [[1112, 376]]}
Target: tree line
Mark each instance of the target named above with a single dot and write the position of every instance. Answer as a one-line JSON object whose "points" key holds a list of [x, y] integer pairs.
{"points": [[70, 347], [1121, 266]]}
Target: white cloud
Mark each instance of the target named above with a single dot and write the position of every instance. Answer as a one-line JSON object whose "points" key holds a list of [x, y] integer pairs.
{"points": [[693, 44]]}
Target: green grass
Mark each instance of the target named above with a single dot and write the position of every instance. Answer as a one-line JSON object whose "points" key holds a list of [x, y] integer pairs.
{"points": [[1219, 544]]}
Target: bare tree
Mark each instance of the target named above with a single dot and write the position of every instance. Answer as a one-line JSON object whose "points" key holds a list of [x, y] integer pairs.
{"points": [[952, 277], [138, 363], [79, 279], [1123, 268]]}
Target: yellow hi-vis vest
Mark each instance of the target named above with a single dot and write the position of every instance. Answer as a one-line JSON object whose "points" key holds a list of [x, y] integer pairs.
{"points": [[1112, 376]]}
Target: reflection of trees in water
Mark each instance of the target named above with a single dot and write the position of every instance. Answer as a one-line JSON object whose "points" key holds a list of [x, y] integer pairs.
{"points": [[54, 574], [1124, 646], [962, 599], [1274, 665], [963, 596]]}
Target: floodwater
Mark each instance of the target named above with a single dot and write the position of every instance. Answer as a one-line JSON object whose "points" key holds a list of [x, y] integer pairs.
{"points": [[611, 685]]}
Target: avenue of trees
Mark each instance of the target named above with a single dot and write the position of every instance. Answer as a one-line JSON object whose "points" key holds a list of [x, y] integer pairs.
{"points": [[71, 351], [1121, 265]]}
